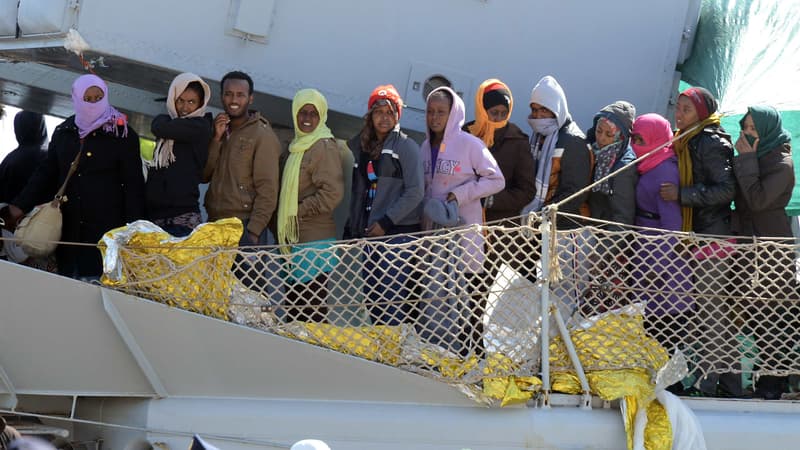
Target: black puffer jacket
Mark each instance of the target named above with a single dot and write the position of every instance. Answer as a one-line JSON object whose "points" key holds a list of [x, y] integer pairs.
{"points": [[714, 184], [173, 190]]}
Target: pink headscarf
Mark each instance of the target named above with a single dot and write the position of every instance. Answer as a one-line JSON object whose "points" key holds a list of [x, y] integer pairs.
{"points": [[91, 116], [655, 131]]}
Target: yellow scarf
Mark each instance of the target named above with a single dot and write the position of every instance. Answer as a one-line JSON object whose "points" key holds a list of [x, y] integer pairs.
{"points": [[483, 128], [288, 226], [685, 162]]}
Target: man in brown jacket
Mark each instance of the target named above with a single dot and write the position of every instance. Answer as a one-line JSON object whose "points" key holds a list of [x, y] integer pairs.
{"points": [[242, 163]]}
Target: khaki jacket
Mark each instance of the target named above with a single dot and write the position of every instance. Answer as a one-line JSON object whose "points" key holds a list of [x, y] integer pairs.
{"points": [[320, 190], [243, 171]]}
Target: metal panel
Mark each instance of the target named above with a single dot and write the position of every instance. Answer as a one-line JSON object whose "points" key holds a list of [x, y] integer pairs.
{"points": [[195, 355], [45, 16], [8, 17], [252, 19], [133, 346], [56, 338]]}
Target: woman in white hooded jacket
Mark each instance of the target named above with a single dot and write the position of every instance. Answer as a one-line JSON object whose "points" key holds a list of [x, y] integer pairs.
{"points": [[459, 171]]}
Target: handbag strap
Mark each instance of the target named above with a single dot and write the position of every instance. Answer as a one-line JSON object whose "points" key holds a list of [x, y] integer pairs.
{"points": [[72, 168]]}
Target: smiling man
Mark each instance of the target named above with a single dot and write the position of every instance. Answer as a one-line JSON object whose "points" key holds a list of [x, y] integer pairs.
{"points": [[242, 165]]}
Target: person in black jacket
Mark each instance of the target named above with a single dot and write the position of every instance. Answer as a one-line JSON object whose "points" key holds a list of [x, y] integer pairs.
{"points": [[107, 189], [705, 155], [19, 165], [609, 137], [707, 188], [176, 170]]}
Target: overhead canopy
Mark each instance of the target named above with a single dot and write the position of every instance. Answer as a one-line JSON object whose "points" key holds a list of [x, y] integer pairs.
{"points": [[747, 52]]}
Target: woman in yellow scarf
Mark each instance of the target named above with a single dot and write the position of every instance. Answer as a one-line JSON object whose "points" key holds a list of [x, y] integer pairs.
{"points": [[312, 186], [707, 188]]}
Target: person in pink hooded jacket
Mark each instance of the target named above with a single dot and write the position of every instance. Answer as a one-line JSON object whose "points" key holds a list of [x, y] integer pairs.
{"points": [[459, 171]]}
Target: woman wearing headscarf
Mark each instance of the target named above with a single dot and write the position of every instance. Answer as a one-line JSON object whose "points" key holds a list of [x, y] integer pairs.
{"points": [[707, 188], [707, 185], [658, 265], [765, 176], [563, 163], [174, 174], [610, 199], [764, 173], [613, 199], [509, 147], [311, 188], [386, 196], [107, 189], [459, 171]]}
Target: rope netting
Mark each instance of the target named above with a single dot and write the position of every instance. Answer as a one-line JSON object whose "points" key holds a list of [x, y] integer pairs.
{"points": [[728, 305], [432, 304]]}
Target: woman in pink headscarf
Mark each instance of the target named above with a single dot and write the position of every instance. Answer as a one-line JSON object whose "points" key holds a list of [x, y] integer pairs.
{"points": [[659, 267], [107, 189]]}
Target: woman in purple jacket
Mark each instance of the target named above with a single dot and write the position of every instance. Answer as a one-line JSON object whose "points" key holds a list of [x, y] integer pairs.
{"points": [[459, 171], [659, 267]]}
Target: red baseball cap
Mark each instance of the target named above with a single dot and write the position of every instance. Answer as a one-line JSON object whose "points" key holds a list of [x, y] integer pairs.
{"points": [[388, 93]]}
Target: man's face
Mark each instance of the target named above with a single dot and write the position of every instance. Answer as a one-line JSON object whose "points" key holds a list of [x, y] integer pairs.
{"points": [[236, 97]]}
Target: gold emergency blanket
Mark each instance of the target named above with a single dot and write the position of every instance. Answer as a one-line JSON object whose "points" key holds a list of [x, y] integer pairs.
{"points": [[615, 339], [381, 343], [192, 273], [394, 345]]}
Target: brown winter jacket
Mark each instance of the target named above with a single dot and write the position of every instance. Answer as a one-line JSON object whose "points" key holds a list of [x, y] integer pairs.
{"points": [[765, 187], [512, 151], [243, 174], [321, 188]]}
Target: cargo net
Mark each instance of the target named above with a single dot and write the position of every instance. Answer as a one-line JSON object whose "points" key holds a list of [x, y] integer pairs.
{"points": [[728, 305], [435, 304], [465, 304]]}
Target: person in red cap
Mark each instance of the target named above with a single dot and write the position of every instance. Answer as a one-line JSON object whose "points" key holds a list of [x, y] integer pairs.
{"points": [[387, 191]]}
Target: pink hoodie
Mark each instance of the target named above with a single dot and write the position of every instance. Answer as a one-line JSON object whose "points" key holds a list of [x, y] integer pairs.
{"points": [[466, 168]]}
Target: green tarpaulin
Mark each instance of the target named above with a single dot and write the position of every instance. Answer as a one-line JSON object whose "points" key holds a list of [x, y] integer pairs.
{"points": [[747, 52]]}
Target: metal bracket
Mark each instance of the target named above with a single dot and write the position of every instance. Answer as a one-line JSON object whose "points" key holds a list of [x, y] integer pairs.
{"points": [[133, 346], [8, 400]]}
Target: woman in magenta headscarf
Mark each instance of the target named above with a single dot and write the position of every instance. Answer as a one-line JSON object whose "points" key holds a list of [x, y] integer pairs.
{"points": [[107, 189], [659, 267]]}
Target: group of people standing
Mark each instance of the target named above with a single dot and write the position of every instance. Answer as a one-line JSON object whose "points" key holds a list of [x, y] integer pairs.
{"points": [[487, 170]]}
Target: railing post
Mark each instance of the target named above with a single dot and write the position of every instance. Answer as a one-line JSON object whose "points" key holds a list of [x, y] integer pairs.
{"points": [[545, 312]]}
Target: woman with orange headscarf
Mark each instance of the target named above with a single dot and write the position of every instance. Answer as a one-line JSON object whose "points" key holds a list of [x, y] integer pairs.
{"points": [[510, 148]]}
